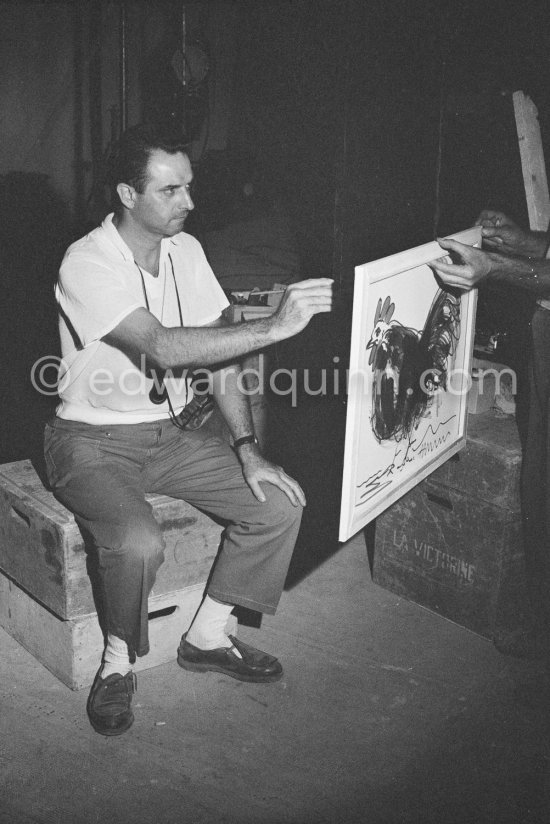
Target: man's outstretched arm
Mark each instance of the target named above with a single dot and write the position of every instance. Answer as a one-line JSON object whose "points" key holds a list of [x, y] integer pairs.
{"points": [[167, 348]]}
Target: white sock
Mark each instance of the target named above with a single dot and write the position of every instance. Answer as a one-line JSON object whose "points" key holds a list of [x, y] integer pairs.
{"points": [[115, 657], [208, 628]]}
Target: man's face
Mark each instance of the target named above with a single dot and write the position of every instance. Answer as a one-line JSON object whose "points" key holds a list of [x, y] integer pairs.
{"points": [[164, 204]]}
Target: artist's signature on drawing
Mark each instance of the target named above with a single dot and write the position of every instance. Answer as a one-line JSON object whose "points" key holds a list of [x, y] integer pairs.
{"points": [[432, 441]]}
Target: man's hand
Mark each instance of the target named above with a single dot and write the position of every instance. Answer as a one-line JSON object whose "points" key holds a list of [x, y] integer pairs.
{"points": [[501, 234], [300, 302], [256, 469], [473, 265]]}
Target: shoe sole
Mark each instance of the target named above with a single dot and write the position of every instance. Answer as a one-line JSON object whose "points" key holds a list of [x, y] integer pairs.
{"points": [[254, 679], [109, 733]]}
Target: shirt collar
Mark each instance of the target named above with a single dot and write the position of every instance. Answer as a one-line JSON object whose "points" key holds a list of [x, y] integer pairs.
{"points": [[113, 236]]}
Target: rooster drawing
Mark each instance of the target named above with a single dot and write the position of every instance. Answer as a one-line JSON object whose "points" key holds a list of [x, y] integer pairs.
{"points": [[409, 366]]}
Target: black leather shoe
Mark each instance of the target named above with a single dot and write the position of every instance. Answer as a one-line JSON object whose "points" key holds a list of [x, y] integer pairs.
{"points": [[109, 704], [253, 666]]}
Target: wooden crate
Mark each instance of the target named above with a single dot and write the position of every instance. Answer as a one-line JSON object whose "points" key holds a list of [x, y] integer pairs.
{"points": [[489, 465], [72, 649], [453, 554], [453, 544], [42, 549]]}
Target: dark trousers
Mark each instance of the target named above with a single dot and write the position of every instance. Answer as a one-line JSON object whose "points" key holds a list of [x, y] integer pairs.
{"points": [[535, 474], [101, 474]]}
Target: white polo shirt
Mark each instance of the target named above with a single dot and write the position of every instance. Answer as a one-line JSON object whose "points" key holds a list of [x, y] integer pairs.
{"points": [[99, 285]]}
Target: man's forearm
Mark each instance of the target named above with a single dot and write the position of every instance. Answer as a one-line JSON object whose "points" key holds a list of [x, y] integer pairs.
{"points": [[528, 244], [208, 346], [233, 403], [529, 274], [167, 348]]}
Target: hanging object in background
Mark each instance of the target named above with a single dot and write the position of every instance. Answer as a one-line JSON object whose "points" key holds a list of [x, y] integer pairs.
{"points": [[192, 68], [174, 86]]}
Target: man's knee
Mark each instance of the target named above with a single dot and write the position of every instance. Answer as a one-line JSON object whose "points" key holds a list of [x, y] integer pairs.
{"points": [[143, 544], [279, 511]]}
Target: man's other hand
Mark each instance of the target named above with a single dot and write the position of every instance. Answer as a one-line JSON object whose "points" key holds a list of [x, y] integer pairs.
{"points": [[471, 265], [258, 470], [501, 234]]}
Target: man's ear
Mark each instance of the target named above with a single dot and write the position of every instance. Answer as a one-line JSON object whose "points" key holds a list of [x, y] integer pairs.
{"points": [[127, 195]]}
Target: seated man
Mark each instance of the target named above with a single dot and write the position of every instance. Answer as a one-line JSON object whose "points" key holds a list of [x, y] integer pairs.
{"points": [[139, 309]]}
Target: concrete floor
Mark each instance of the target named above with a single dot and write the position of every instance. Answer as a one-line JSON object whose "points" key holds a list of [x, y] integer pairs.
{"points": [[386, 713]]}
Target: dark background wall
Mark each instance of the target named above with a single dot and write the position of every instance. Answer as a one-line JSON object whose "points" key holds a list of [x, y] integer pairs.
{"points": [[377, 125], [385, 124], [362, 101]]}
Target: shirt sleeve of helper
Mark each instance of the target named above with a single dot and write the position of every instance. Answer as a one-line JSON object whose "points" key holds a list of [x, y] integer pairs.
{"points": [[95, 297]]}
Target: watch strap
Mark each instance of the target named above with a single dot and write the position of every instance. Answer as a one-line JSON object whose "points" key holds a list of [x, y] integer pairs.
{"points": [[244, 440]]}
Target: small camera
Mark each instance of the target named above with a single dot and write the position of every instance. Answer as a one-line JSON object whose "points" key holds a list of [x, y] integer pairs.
{"points": [[158, 393]]}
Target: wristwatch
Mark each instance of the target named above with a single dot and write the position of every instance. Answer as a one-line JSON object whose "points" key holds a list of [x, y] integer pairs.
{"points": [[244, 440]]}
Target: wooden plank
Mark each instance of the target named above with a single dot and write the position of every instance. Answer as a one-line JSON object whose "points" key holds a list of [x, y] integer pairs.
{"points": [[72, 650], [20, 478], [42, 549], [532, 161]]}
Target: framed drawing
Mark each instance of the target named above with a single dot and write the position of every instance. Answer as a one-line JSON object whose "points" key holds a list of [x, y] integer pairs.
{"points": [[409, 375]]}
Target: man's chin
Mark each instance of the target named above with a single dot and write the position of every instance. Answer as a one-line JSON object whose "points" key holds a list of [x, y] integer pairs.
{"points": [[176, 226]]}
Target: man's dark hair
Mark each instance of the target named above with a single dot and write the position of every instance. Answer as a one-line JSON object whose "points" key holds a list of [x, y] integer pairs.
{"points": [[130, 156]]}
